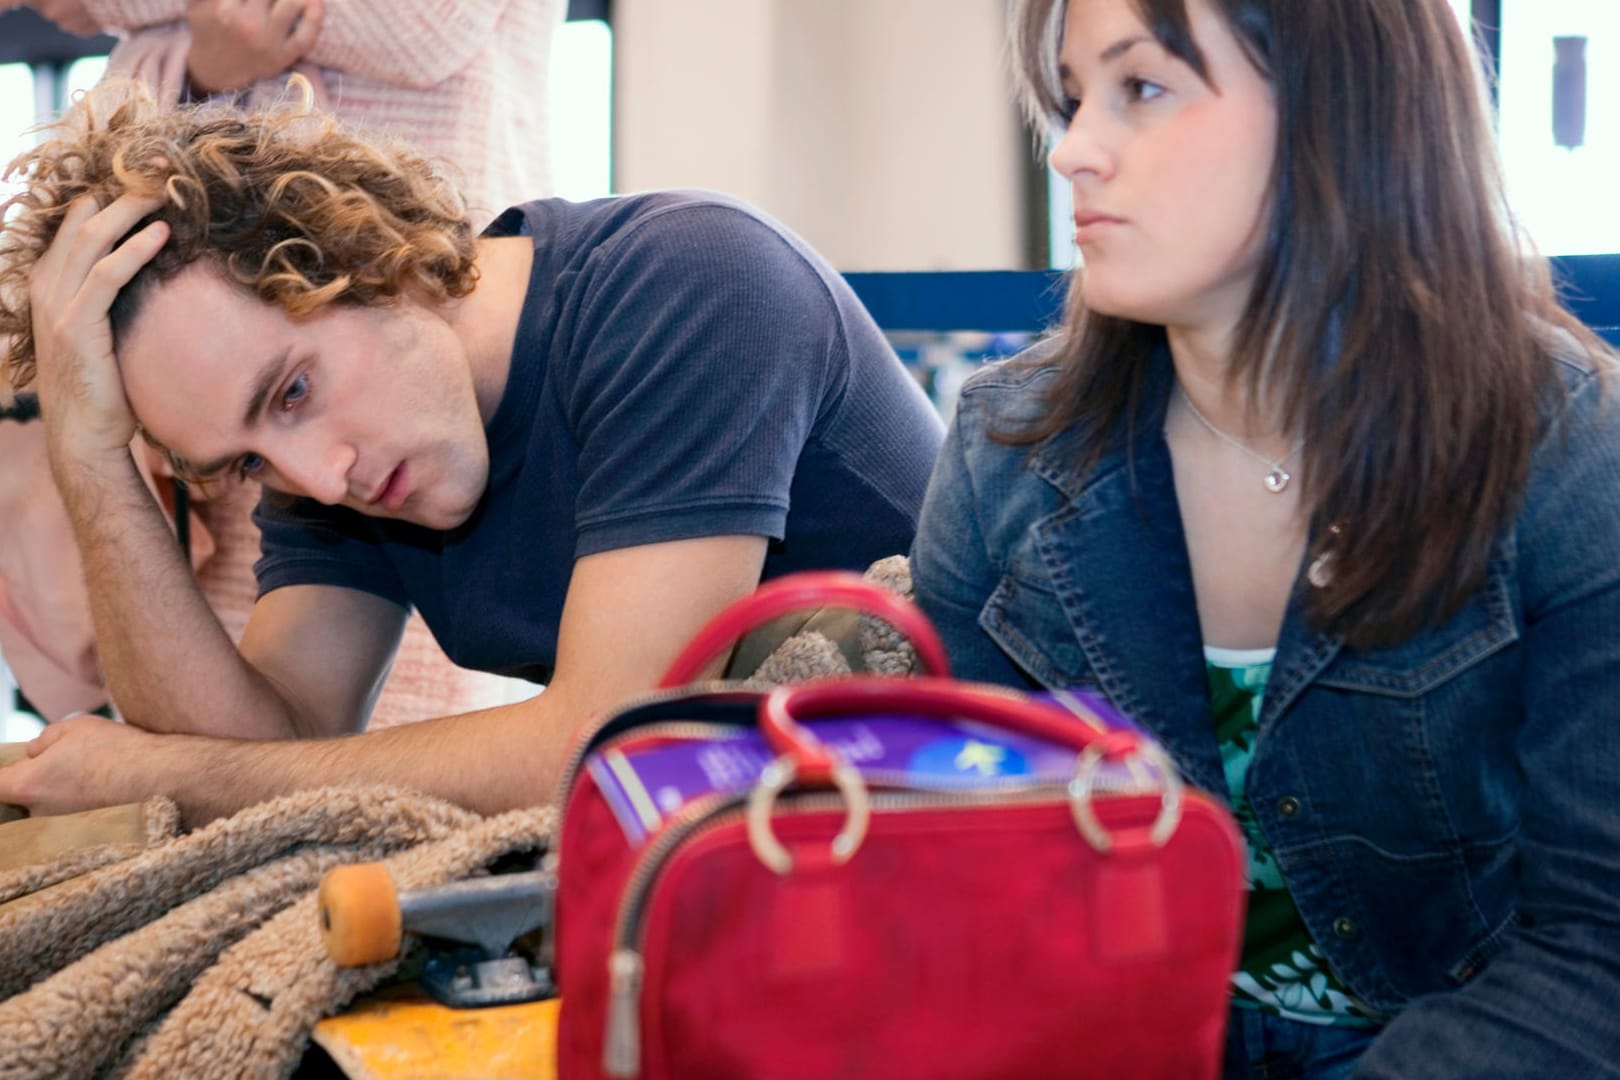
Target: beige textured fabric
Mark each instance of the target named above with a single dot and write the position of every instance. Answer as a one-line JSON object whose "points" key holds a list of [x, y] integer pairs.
{"points": [[36, 852], [163, 964], [251, 1014], [880, 650], [37, 937], [886, 651]]}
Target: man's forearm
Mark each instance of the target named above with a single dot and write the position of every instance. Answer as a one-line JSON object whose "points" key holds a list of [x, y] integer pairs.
{"points": [[169, 665], [489, 761]]}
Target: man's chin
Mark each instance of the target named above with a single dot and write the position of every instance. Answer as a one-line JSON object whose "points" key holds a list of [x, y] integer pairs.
{"points": [[441, 518]]}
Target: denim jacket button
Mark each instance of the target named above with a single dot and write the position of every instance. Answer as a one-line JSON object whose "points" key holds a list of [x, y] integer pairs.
{"points": [[1288, 806], [1345, 927]]}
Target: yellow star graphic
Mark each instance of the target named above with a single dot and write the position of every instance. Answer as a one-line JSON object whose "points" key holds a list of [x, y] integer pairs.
{"points": [[981, 756]]}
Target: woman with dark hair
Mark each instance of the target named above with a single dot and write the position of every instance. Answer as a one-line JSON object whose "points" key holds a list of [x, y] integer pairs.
{"points": [[1317, 481]]}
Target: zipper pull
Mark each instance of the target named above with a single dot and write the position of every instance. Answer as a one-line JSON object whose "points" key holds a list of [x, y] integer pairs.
{"points": [[621, 1051]]}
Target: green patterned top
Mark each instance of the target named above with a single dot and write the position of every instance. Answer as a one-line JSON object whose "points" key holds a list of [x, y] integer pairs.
{"points": [[1281, 970]]}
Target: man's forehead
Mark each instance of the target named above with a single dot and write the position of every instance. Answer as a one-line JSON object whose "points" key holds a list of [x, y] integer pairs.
{"points": [[196, 358]]}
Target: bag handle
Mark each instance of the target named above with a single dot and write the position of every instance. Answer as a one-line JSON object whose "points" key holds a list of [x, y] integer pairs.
{"points": [[804, 760], [785, 706], [797, 592]]}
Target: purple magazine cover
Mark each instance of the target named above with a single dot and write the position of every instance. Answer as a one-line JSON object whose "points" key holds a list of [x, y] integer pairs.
{"points": [[643, 787]]}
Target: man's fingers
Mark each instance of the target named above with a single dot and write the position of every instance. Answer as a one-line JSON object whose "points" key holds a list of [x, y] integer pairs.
{"points": [[306, 30], [12, 779], [114, 271], [91, 240], [43, 741], [281, 18]]}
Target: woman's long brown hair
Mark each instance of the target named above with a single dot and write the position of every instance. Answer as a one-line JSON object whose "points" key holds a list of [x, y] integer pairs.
{"points": [[1397, 319]]}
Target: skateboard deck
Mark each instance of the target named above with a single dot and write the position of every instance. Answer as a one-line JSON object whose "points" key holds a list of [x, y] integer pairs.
{"points": [[399, 1033]]}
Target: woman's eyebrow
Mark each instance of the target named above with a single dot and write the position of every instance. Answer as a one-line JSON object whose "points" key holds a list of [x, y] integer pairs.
{"points": [[1110, 54]]}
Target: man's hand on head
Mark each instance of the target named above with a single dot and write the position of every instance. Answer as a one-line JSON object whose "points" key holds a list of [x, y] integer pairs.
{"points": [[235, 43], [81, 763], [81, 397]]}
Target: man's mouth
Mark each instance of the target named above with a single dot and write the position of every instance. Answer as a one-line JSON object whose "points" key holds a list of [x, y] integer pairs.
{"points": [[395, 489]]}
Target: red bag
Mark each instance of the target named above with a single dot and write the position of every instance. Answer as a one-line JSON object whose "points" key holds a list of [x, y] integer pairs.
{"points": [[994, 886]]}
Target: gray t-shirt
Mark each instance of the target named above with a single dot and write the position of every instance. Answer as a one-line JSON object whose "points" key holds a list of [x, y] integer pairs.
{"points": [[684, 367]]}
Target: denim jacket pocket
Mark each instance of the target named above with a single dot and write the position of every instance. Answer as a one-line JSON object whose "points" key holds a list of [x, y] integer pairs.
{"points": [[1027, 621], [1483, 627]]}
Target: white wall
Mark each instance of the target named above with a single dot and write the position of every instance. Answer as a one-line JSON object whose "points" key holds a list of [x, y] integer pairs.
{"points": [[881, 130]]}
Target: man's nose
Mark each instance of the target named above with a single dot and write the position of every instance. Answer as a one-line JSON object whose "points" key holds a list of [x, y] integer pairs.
{"points": [[319, 470]]}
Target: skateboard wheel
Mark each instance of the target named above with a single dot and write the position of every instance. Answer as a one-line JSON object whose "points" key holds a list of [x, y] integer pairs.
{"points": [[360, 917]]}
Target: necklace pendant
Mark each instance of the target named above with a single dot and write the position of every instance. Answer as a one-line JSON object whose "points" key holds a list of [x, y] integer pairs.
{"points": [[1277, 479]]}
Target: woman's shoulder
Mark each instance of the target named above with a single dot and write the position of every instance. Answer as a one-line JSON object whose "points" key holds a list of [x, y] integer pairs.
{"points": [[1011, 393], [1581, 391], [1575, 469]]}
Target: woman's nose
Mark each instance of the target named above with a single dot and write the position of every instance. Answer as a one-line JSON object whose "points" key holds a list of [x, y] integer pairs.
{"points": [[1082, 148]]}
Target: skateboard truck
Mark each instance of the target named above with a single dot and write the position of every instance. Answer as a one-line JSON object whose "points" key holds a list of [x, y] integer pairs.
{"points": [[469, 928]]}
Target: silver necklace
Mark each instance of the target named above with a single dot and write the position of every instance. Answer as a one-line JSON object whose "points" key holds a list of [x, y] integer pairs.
{"points": [[1277, 477]]}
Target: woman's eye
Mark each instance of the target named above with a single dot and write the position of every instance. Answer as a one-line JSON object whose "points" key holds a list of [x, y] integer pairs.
{"points": [[248, 466], [1141, 89], [295, 392]]}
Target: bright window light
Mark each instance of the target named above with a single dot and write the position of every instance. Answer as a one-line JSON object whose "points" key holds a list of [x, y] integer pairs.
{"points": [[85, 73], [1561, 150], [582, 110], [16, 116]]}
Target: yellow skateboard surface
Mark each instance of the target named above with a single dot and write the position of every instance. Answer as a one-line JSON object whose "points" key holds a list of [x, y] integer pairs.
{"points": [[400, 1033]]}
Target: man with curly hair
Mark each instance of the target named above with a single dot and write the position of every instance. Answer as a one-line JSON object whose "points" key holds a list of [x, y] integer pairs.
{"points": [[568, 441]]}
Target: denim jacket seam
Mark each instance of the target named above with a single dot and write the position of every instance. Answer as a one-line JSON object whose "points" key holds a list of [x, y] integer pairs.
{"points": [[1015, 643], [1437, 799], [1069, 600], [997, 562], [1456, 660], [1330, 842]]}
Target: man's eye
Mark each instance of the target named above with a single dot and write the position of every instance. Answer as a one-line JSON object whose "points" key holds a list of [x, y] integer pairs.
{"points": [[296, 391], [248, 466]]}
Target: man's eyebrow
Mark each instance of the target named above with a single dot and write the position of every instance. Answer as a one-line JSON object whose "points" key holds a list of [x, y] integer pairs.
{"points": [[198, 474], [269, 375]]}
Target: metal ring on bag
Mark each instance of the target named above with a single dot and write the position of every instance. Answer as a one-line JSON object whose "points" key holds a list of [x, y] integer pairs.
{"points": [[1085, 777], [762, 801]]}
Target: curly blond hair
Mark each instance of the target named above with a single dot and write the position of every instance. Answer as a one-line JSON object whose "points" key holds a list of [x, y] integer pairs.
{"points": [[288, 203]]}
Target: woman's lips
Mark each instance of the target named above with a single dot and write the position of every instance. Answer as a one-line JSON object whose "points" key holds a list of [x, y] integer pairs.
{"points": [[1089, 225]]}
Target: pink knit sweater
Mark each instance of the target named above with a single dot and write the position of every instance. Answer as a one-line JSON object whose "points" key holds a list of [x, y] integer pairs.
{"points": [[466, 80]]}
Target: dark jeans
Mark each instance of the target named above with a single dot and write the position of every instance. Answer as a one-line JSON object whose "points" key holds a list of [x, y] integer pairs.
{"points": [[1260, 1046]]}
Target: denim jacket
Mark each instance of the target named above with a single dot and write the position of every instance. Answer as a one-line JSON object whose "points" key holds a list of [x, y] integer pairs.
{"points": [[1446, 812]]}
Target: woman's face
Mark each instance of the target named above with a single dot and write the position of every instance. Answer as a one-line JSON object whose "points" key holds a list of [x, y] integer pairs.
{"points": [[1170, 174]]}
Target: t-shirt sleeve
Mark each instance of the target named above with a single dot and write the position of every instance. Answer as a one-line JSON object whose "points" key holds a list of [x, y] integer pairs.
{"points": [[705, 346], [305, 543]]}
